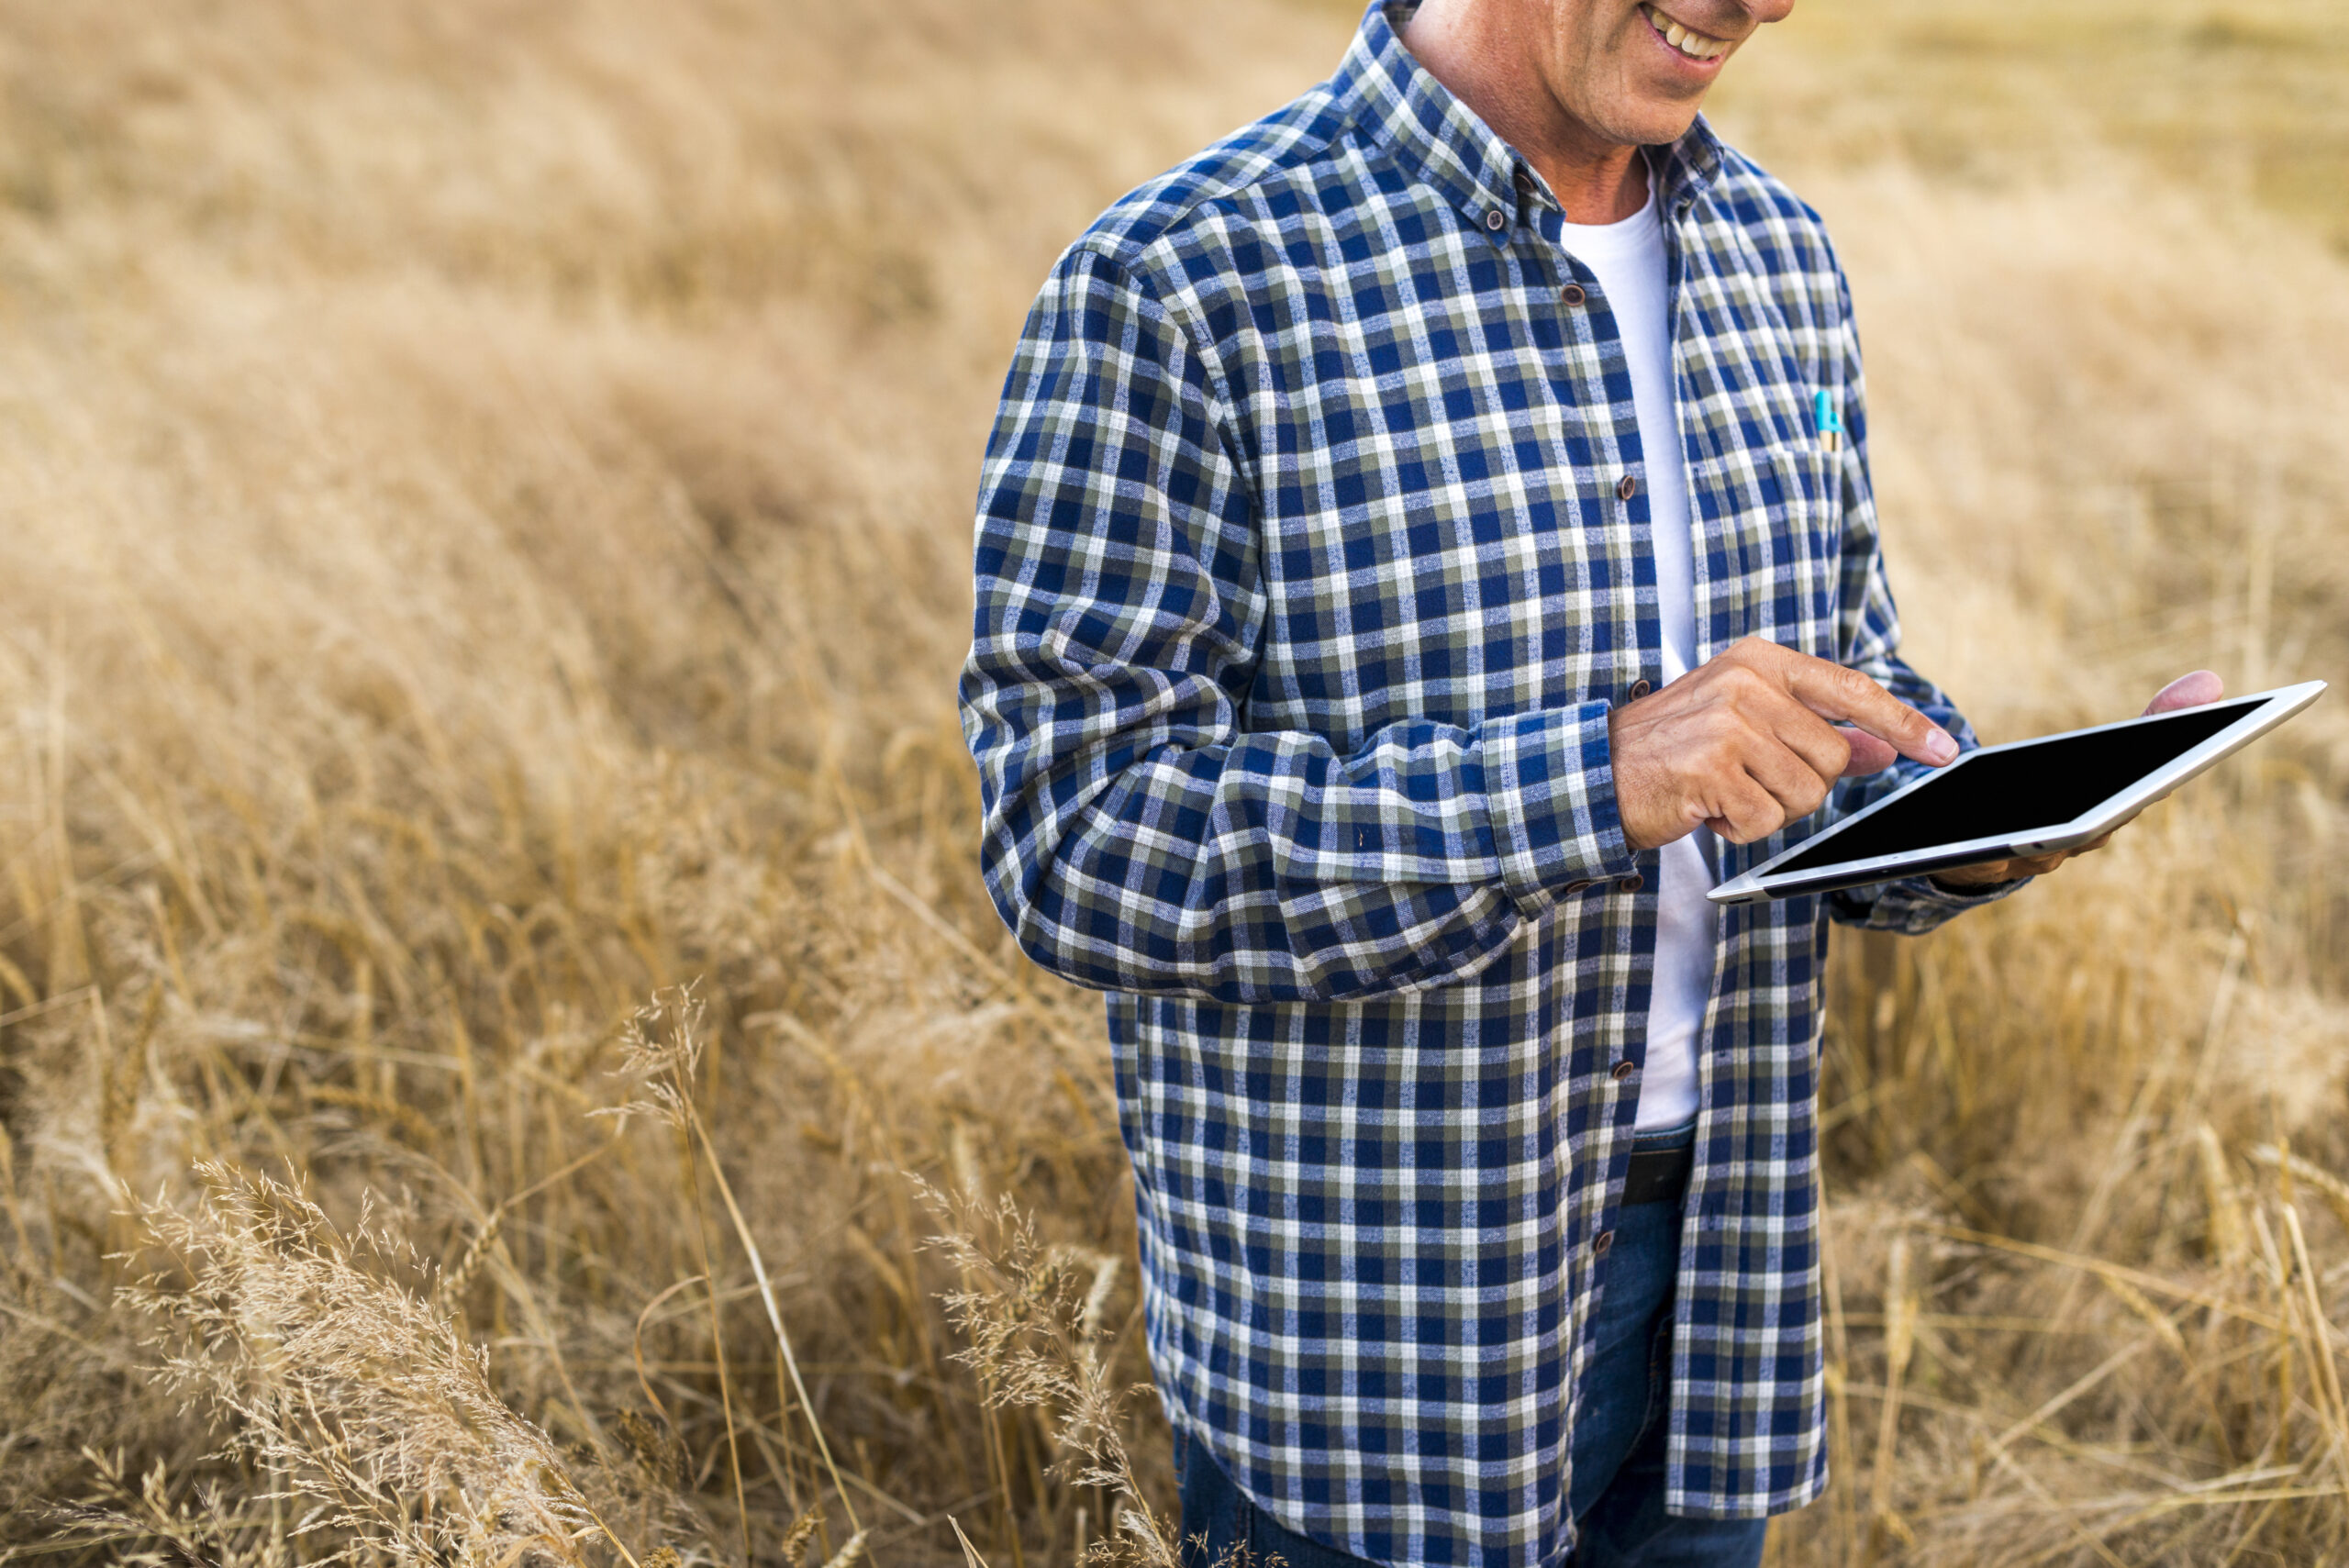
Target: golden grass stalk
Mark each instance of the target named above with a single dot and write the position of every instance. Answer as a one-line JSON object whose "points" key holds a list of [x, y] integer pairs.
{"points": [[717, 1346], [662, 1047], [1036, 1339], [1899, 1340]]}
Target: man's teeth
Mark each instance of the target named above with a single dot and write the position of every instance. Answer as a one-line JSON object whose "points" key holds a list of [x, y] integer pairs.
{"points": [[1693, 44]]}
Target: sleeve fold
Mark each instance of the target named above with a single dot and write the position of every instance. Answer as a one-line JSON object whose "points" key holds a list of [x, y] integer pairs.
{"points": [[1138, 835]]}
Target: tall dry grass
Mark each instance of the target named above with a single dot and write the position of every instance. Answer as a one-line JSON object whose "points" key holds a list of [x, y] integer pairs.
{"points": [[484, 493]]}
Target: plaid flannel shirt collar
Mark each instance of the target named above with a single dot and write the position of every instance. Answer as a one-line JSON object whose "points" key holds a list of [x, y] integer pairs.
{"points": [[1434, 137]]}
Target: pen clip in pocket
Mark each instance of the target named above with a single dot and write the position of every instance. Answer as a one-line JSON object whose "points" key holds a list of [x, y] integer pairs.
{"points": [[1829, 419]]}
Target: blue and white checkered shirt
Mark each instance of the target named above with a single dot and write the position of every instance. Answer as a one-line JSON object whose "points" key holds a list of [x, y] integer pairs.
{"points": [[1312, 554]]}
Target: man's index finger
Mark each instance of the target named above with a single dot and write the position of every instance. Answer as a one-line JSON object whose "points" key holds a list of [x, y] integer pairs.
{"points": [[1836, 692]]}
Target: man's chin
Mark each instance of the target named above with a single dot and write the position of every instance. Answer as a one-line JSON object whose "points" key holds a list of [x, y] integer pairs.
{"points": [[1652, 124]]}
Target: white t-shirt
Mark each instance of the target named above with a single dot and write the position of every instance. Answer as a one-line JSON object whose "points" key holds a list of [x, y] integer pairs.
{"points": [[1634, 281]]}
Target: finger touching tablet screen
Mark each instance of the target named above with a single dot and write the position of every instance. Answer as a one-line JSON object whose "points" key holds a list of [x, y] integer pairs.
{"points": [[2028, 797]]}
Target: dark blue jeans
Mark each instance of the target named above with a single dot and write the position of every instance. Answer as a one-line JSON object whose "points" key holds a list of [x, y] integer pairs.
{"points": [[1619, 1443]]}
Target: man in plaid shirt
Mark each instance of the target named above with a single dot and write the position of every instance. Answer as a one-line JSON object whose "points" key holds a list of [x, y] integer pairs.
{"points": [[1426, 543]]}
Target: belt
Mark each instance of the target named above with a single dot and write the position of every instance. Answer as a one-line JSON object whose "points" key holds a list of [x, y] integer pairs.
{"points": [[1659, 1176]]}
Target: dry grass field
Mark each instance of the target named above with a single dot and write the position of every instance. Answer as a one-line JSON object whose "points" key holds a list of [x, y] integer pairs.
{"points": [[484, 527]]}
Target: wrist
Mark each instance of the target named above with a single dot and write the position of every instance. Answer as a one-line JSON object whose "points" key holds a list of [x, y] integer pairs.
{"points": [[1962, 886]]}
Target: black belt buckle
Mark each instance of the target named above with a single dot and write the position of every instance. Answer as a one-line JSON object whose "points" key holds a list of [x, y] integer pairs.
{"points": [[1659, 1176]]}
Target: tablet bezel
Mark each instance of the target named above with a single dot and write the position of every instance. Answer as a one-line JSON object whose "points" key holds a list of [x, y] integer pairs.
{"points": [[1760, 884]]}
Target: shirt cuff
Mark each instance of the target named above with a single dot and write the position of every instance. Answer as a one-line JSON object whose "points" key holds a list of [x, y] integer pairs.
{"points": [[1550, 788], [1923, 892], [1975, 893]]}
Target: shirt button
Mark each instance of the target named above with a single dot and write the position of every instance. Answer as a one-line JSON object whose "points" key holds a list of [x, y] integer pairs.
{"points": [[1632, 884], [1640, 688], [1601, 1243], [1624, 1070], [1495, 219], [1626, 488], [1573, 294], [1580, 886]]}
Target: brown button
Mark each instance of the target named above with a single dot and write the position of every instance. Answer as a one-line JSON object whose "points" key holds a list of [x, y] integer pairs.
{"points": [[1624, 1070], [1580, 886], [1632, 884], [1601, 1243], [1626, 488], [1573, 294], [1495, 219], [1640, 688]]}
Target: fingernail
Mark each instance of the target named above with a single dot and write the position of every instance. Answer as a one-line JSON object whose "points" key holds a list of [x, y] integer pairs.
{"points": [[1938, 747]]}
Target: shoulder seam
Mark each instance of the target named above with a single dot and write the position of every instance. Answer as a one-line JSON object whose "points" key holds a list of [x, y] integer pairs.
{"points": [[1115, 240]]}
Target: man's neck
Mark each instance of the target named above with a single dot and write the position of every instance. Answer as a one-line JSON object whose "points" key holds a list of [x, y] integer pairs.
{"points": [[1472, 50]]}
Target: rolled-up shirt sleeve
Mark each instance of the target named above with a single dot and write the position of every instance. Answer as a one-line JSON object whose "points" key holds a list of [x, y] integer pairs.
{"points": [[1138, 835]]}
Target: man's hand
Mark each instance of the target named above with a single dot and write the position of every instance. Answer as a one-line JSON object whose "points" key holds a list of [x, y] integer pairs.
{"points": [[1744, 744], [2187, 691]]}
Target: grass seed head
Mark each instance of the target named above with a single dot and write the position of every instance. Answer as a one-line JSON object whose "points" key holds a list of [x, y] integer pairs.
{"points": [[354, 1392]]}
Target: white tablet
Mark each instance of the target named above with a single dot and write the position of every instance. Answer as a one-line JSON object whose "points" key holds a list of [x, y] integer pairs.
{"points": [[2027, 797]]}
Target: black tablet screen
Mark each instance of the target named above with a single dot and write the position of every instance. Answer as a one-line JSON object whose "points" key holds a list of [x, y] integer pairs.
{"points": [[2039, 785]]}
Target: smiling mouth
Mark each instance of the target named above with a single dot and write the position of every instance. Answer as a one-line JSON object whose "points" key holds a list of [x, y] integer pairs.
{"points": [[1688, 40]]}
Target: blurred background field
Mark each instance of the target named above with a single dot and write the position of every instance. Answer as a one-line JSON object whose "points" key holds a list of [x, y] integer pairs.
{"points": [[484, 528]]}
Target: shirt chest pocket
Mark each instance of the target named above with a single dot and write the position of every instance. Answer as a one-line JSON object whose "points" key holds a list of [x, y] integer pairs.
{"points": [[1771, 521]]}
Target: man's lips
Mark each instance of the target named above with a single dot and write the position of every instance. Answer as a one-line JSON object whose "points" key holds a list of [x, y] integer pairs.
{"points": [[1686, 41]]}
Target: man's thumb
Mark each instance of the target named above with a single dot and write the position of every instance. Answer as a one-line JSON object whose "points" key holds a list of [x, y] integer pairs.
{"points": [[2188, 691], [1869, 755]]}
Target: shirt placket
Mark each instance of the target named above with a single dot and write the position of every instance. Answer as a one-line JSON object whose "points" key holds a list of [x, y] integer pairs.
{"points": [[1584, 324]]}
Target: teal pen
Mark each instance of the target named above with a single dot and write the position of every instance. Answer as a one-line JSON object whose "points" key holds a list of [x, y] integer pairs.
{"points": [[1829, 421]]}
